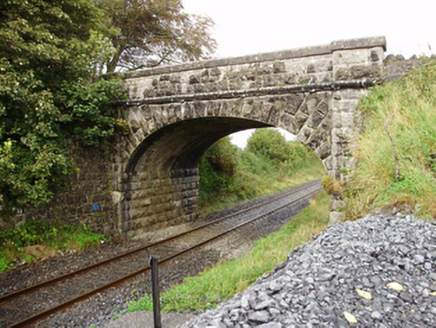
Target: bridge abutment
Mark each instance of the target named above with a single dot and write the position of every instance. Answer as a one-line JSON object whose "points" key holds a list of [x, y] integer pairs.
{"points": [[156, 200]]}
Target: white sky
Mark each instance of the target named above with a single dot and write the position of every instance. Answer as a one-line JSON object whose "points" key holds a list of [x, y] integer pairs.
{"points": [[244, 27]]}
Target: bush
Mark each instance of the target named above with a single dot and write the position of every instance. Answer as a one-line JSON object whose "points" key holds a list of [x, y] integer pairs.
{"points": [[271, 146], [50, 95], [217, 168]]}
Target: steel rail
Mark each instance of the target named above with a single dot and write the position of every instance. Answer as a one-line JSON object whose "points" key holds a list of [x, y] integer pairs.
{"points": [[70, 275], [63, 306]]}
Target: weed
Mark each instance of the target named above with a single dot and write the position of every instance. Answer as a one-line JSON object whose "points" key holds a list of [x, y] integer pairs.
{"points": [[4, 263], [13, 242], [331, 185]]}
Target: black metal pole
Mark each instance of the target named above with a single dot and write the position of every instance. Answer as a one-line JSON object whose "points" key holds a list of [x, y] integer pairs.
{"points": [[155, 286]]}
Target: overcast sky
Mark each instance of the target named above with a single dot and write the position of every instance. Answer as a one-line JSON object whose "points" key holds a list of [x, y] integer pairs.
{"points": [[244, 27]]}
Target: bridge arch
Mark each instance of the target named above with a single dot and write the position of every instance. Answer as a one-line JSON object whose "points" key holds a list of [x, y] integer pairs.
{"points": [[160, 181], [175, 113]]}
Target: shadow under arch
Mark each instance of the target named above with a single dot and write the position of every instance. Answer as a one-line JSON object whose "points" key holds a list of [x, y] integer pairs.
{"points": [[160, 184]]}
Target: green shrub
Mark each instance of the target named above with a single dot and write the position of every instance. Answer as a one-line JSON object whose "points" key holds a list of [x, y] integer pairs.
{"points": [[271, 146], [217, 169], [50, 95], [4, 263]]}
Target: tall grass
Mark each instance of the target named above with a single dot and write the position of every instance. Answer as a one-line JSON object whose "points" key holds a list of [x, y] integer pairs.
{"points": [[227, 278], [405, 110]]}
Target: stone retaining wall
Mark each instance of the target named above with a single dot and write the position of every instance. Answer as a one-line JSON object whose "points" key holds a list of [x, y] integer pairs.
{"points": [[88, 197], [159, 201]]}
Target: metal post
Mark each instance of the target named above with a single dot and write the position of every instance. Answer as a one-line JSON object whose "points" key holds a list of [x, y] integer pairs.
{"points": [[155, 286]]}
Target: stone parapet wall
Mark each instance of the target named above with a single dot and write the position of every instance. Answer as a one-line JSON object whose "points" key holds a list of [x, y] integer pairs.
{"points": [[313, 51], [397, 66], [340, 61]]}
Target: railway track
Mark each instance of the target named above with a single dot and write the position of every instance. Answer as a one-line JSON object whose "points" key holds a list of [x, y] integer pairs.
{"points": [[62, 292]]}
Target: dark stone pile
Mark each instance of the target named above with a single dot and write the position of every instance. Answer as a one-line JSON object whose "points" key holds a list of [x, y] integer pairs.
{"points": [[379, 271]]}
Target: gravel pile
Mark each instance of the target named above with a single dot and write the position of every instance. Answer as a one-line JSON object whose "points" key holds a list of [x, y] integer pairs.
{"points": [[379, 271]]}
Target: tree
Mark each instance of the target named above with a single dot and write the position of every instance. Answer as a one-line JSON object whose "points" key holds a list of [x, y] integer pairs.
{"points": [[50, 94], [270, 145], [147, 33]]}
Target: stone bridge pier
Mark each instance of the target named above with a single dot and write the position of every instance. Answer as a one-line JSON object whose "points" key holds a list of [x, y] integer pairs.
{"points": [[176, 113]]}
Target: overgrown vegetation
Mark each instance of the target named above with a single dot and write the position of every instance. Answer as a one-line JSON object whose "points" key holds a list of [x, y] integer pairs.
{"points": [[396, 151], [52, 94], [229, 175], [230, 277], [35, 240]]}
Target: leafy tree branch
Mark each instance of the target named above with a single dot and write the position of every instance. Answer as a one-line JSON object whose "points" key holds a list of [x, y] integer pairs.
{"points": [[147, 33], [50, 94]]}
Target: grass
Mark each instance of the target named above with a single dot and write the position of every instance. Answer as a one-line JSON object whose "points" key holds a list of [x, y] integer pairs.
{"points": [[227, 278], [406, 111], [35, 240]]}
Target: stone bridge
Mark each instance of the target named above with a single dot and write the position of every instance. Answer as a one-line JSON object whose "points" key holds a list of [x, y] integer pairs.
{"points": [[148, 179], [176, 113]]}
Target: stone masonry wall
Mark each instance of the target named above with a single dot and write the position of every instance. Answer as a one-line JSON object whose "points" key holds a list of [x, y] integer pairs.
{"points": [[159, 201], [87, 199], [397, 66], [339, 61]]}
